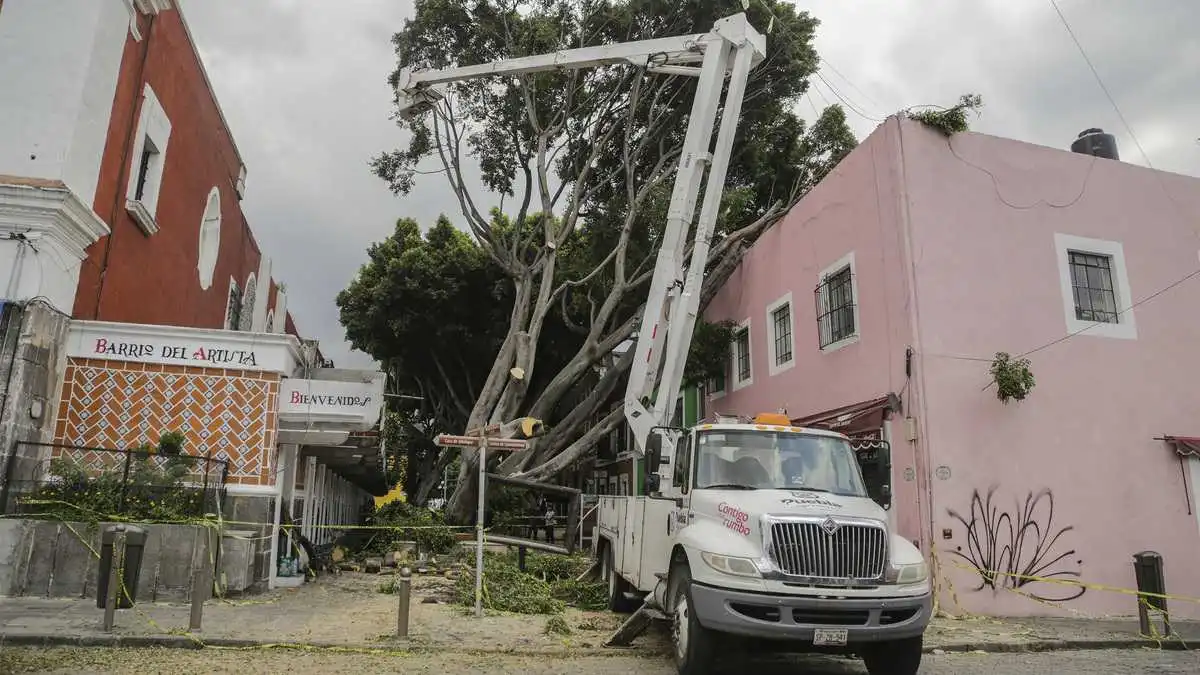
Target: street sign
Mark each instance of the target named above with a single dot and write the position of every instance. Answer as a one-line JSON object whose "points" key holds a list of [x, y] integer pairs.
{"points": [[494, 444]]}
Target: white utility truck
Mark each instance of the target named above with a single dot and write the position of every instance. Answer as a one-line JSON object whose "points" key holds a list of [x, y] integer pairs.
{"points": [[759, 529], [755, 529]]}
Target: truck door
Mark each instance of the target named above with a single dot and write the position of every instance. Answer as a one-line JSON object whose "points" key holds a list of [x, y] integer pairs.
{"points": [[681, 483]]}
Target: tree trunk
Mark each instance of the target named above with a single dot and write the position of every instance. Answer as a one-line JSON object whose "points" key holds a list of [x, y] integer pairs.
{"points": [[429, 481]]}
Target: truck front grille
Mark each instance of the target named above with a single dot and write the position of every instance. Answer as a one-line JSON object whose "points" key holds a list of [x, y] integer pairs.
{"points": [[829, 550]]}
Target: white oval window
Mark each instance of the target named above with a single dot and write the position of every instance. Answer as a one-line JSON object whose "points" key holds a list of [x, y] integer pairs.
{"points": [[210, 239]]}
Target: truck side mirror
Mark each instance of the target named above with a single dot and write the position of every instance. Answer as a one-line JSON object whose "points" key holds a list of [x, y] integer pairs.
{"points": [[653, 483], [884, 469], [653, 452]]}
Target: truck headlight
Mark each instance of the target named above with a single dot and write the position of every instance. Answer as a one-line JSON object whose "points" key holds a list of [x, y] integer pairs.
{"points": [[907, 574], [741, 567]]}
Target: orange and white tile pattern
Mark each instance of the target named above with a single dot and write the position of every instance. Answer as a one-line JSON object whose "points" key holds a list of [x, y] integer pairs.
{"points": [[223, 414]]}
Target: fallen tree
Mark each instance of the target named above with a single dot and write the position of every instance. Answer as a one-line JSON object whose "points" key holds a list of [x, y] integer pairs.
{"points": [[585, 161]]}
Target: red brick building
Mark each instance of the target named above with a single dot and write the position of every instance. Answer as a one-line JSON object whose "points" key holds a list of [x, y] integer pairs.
{"points": [[136, 298]]}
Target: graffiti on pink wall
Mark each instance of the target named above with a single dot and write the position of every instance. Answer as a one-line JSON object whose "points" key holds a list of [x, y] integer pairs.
{"points": [[1019, 549]]}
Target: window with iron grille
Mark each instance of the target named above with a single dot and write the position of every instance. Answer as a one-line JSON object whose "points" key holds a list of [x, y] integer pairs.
{"points": [[835, 307], [781, 324], [1092, 285], [741, 354]]}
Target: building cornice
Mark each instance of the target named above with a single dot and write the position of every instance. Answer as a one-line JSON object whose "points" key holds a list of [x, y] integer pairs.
{"points": [[53, 209]]}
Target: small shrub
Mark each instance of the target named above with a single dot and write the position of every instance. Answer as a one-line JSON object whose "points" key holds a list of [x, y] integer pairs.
{"points": [[557, 625], [170, 443]]}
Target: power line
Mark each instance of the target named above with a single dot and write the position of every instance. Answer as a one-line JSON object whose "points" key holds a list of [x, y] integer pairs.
{"points": [[1146, 299], [1100, 81], [856, 109]]}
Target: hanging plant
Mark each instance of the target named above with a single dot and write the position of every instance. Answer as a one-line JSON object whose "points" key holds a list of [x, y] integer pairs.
{"points": [[1012, 378], [949, 121]]}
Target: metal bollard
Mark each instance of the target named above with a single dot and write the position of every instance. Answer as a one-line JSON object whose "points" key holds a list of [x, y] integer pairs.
{"points": [[1148, 571], [197, 601], [115, 578], [404, 593]]}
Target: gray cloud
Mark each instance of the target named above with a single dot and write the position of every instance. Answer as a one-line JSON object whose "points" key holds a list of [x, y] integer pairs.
{"points": [[303, 85]]}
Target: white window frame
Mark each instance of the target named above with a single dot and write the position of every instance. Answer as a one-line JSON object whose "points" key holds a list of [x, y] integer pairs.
{"points": [[154, 126], [842, 263], [210, 238], [736, 383], [1126, 327], [773, 365]]}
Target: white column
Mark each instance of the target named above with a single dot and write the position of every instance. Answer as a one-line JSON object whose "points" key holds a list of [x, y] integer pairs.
{"points": [[319, 506], [283, 459], [310, 490]]}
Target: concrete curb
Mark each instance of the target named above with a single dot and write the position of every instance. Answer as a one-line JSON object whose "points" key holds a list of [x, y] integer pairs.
{"points": [[200, 642], [1053, 646], [382, 647]]}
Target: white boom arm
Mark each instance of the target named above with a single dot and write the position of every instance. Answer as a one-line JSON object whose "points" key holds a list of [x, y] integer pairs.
{"points": [[732, 48]]}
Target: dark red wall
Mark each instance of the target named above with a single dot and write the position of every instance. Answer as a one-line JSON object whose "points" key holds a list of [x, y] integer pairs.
{"points": [[129, 276]]}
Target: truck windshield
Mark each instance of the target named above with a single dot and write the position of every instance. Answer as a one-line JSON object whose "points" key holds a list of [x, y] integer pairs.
{"points": [[770, 460]]}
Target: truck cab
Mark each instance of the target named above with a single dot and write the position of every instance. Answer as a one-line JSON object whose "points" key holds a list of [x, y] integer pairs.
{"points": [[758, 530]]}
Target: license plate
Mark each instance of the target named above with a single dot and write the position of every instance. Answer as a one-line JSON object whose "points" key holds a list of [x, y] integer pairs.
{"points": [[829, 637]]}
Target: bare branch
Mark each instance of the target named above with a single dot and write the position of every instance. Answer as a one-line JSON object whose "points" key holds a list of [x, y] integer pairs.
{"points": [[579, 448]]}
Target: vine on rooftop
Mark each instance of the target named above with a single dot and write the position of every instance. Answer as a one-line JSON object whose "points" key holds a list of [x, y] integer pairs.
{"points": [[949, 121]]}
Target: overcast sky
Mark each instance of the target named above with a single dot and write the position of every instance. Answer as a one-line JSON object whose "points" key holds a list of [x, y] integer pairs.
{"points": [[303, 85]]}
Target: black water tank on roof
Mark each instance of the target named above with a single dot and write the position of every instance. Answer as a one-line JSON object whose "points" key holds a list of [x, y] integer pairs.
{"points": [[1096, 142]]}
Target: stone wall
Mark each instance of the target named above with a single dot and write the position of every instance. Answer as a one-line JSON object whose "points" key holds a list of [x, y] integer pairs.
{"points": [[57, 560], [31, 360]]}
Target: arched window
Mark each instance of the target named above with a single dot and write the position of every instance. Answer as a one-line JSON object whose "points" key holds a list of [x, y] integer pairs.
{"points": [[270, 327], [210, 239], [246, 319], [233, 308]]}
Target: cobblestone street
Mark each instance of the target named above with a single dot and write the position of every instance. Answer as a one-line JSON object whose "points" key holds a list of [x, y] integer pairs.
{"points": [[185, 662]]}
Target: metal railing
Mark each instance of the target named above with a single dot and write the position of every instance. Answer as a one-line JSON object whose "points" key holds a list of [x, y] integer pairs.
{"points": [[64, 481]]}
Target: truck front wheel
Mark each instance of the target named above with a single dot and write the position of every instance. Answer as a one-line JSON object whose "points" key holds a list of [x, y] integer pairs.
{"points": [[692, 642], [898, 657]]}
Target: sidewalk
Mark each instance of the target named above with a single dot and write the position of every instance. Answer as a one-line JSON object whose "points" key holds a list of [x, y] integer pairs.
{"points": [[347, 611]]}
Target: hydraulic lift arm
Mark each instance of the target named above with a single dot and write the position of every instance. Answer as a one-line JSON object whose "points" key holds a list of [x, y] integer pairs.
{"points": [[732, 49]]}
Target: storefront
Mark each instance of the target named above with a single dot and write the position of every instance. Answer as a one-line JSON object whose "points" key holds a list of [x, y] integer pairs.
{"points": [[232, 397]]}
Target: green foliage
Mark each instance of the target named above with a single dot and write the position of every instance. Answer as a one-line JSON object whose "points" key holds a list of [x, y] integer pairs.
{"points": [[709, 356], [155, 491], [546, 587], [1012, 377], [435, 309], [953, 120], [557, 625], [171, 443], [401, 522]]}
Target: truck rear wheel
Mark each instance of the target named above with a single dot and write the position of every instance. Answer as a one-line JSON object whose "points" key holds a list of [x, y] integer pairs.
{"points": [[692, 643], [898, 657], [617, 586]]}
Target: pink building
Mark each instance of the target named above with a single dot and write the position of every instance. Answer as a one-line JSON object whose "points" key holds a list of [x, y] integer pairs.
{"points": [[877, 305]]}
